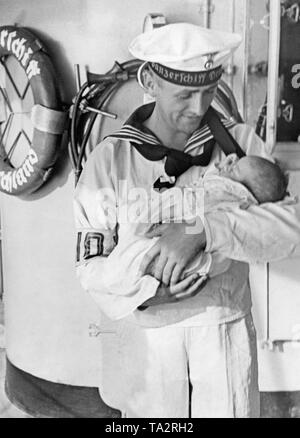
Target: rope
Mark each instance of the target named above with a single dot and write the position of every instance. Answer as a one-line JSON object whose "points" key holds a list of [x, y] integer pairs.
{"points": [[95, 94], [92, 98]]}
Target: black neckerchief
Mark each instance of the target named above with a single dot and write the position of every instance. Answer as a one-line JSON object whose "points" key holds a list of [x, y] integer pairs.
{"points": [[148, 145]]}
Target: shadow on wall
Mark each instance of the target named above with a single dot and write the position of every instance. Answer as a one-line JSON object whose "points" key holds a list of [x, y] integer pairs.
{"points": [[63, 68]]}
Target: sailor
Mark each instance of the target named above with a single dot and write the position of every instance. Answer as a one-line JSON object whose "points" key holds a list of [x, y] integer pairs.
{"points": [[205, 363]]}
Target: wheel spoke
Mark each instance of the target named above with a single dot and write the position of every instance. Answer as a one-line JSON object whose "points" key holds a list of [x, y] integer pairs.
{"points": [[7, 125], [11, 150]]}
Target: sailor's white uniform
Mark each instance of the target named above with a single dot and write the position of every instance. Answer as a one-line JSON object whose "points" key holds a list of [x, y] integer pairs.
{"points": [[158, 358], [207, 341]]}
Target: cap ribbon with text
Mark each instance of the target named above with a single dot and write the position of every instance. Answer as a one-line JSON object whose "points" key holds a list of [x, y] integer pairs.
{"points": [[187, 78]]}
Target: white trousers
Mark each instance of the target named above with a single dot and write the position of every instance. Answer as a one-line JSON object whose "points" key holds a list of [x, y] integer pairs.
{"points": [[179, 372]]}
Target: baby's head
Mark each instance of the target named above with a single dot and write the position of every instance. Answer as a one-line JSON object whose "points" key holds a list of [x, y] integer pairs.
{"points": [[265, 180]]}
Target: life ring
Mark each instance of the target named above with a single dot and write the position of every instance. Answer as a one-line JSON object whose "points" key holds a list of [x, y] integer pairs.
{"points": [[46, 115]]}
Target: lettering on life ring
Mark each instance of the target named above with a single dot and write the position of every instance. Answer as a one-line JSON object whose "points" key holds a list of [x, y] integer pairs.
{"points": [[43, 152], [16, 178], [9, 41]]}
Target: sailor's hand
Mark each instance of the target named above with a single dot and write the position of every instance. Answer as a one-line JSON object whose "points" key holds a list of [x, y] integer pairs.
{"points": [[186, 288], [178, 245]]}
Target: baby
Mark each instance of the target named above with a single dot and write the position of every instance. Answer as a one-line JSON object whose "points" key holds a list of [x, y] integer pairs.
{"points": [[234, 183], [264, 179]]}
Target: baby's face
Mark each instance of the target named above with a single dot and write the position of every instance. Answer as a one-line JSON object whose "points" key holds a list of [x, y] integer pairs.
{"points": [[234, 168]]}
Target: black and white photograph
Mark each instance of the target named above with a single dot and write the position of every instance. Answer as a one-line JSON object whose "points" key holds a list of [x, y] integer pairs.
{"points": [[149, 211]]}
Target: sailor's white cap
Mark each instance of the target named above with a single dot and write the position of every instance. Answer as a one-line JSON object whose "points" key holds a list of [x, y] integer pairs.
{"points": [[184, 53]]}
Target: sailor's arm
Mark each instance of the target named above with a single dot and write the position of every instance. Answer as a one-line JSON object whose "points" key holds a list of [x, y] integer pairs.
{"points": [[99, 271], [262, 233]]}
